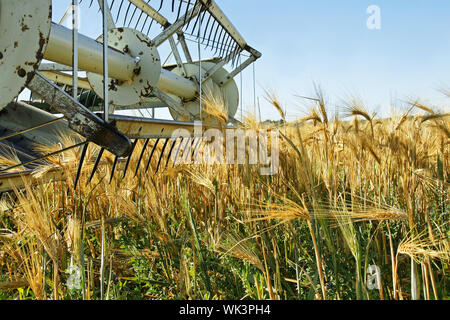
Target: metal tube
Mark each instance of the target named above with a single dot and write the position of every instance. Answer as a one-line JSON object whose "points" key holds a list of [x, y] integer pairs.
{"points": [[120, 65], [171, 83], [75, 48], [90, 54], [200, 70], [105, 64]]}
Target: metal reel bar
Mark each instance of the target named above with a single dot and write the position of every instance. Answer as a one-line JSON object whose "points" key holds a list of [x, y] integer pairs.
{"points": [[144, 132], [211, 24]]}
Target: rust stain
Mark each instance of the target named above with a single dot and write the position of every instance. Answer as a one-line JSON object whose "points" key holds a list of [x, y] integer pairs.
{"points": [[113, 85], [147, 42], [21, 72]]}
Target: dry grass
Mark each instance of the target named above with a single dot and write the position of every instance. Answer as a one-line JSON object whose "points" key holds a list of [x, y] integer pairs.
{"points": [[348, 194]]}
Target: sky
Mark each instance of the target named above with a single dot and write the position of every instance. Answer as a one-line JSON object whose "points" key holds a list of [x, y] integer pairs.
{"points": [[328, 43]]}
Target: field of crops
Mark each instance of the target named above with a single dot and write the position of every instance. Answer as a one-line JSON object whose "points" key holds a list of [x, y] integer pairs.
{"points": [[350, 193]]}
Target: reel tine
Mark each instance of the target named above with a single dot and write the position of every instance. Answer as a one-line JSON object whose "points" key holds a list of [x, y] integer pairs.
{"points": [[224, 44], [80, 165], [215, 36], [132, 16], [151, 19], [179, 9], [201, 14], [129, 158], [220, 41], [116, 159], [139, 20], [170, 152], [196, 146], [235, 55], [141, 156], [151, 155], [120, 9], [144, 24], [211, 32], [188, 142], [202, 8], [23, 164], [189, 149], [206, 29], [187, 10], [161, 155], [178, 151], [150, 26], [97, 162], [126, 14], [228, 47]]}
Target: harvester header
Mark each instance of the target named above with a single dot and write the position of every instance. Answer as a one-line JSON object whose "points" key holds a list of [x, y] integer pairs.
{"points": [[86, 80]]}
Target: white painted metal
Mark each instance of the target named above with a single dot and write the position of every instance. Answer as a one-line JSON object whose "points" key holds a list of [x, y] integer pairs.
{"points": [[121, 66], [220, 16], [174, 83], [106, 102], [24, 28], [177, 26], [90, 54], [133, 61], [67, 79], [151, 12], [229, 93], [147, 69], [75, 16]]}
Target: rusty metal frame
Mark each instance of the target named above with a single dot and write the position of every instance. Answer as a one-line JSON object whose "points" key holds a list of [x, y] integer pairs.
{"points": [[238, 70], [117, 139], [220, 16], [186, 51], [155, 15], [80, 119], [67, 79], [144, 128], [133, 127], [177, 25]]}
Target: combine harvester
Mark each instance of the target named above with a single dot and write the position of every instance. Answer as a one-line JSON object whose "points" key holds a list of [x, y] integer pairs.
{"points": [[66, 72]]}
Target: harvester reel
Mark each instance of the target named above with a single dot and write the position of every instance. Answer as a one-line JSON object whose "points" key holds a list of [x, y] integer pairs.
{"points": [[24, 31], [147, 72], [191, 90]]}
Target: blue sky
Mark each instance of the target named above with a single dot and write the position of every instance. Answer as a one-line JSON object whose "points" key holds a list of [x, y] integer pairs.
{"points": [[327, 42]]}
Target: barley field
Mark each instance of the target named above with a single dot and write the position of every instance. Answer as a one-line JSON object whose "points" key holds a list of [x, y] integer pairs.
{"points": [[351, 192]]}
